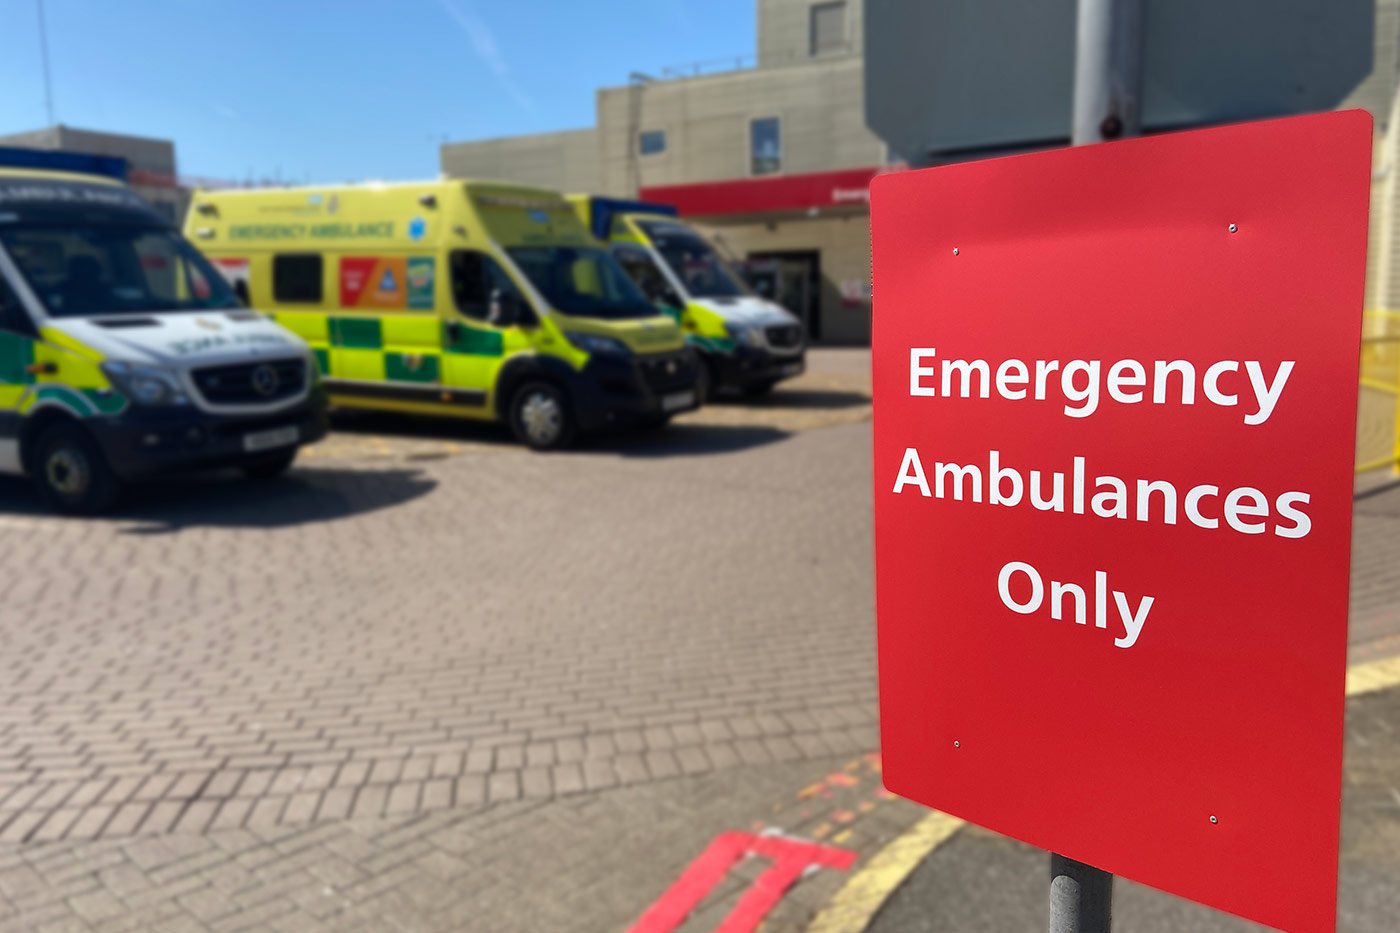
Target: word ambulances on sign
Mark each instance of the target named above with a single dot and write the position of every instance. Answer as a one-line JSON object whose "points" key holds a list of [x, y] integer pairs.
{"points": [[1115, 406]]}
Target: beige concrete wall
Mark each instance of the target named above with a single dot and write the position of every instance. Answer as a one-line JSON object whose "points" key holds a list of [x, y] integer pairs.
{"points": [[565, 161], [1375, 93], [820, 105], [785, 32], [843, 242], [142, 153]]}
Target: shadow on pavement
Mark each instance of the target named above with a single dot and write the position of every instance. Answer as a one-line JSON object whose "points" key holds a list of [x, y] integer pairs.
{"points": [[796, 399], [679, 440], [394, 424], [682, 439], [225, 499]]}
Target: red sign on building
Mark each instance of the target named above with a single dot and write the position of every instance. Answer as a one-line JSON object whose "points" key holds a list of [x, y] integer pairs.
{"points": [[777, 193], [1115, 396]]}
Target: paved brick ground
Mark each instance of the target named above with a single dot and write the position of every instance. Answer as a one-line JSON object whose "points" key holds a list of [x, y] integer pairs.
{"points": [[359, 642], [597, 858], [433, 632]]}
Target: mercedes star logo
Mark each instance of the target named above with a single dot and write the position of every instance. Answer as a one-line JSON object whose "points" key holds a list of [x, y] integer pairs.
{"points": [[264, 380]]}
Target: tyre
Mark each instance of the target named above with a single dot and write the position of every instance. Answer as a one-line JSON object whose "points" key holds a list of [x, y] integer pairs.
{"points": [[270, 466], [71, 472], [541, 418]]}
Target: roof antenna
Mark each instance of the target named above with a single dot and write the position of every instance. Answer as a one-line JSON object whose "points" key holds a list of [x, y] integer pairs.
{"points": [[44, 55]]}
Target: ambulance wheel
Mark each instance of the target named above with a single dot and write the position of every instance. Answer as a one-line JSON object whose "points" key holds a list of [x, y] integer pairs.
{"points": [[270, 467], [540, 416], [71, 472]]}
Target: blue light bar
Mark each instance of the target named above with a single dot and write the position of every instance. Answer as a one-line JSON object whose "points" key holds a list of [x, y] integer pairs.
{"points": [[602, 210], [55, 161]]}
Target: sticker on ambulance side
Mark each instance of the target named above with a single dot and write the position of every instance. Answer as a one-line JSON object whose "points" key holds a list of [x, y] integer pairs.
{"points": [[420, 282]]}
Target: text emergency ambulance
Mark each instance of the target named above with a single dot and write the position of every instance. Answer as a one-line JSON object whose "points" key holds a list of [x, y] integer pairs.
{"points": [[123, 353], [745, 342], [464, 299]]}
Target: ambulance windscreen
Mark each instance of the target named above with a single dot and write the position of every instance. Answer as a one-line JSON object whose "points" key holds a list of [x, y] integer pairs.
{"points": [[581, 281], [694, 261], [113, 269]]}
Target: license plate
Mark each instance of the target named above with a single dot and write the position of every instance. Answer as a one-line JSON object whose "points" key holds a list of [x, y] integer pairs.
{"points": [[677, 400], [266, 440], [791, 369]]}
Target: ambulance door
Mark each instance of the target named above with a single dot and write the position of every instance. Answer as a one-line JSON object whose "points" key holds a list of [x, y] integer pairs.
{"points": [[474, 348]]}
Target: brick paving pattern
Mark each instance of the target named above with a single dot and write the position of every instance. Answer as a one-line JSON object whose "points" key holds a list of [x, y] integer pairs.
{"points": [[485, 629]]}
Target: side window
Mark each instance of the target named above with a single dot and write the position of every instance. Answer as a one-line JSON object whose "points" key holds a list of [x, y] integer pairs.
{"points": [[638, 265], [13, 317], [296, 278], [475, 277]]}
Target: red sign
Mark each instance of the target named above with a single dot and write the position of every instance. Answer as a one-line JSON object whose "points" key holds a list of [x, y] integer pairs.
{"points": [[763, 195], [1115, 398]]}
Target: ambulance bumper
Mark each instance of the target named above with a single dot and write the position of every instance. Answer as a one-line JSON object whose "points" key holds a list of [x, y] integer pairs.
{"points": [[635, 389], [752, 366], [150, 441]]}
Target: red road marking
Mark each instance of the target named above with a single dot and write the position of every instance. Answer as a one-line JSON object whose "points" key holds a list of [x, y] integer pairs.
{"points": [[790, 859]]}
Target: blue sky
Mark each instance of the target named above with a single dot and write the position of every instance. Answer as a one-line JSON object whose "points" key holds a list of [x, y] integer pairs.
{"points": [[340, 90]]}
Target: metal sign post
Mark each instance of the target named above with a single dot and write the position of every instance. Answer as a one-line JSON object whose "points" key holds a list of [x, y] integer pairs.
{"points": [[1081, 897], [1107, 70], [1107, 105]]}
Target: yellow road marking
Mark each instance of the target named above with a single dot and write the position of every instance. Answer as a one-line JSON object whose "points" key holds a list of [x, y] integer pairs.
{"points": [[1372, 676], [865, 892]]}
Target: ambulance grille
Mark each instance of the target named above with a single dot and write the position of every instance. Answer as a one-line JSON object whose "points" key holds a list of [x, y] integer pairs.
{"points": [[784, 336], [251, 383]]}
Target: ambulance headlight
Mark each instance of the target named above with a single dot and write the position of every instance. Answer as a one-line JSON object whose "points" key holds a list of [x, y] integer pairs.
{"points": [[595, 343], [745, 335], [146, 385]]}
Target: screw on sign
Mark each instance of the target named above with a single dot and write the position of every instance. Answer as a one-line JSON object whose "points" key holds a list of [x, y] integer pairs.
{"points": [[1114, 434]]}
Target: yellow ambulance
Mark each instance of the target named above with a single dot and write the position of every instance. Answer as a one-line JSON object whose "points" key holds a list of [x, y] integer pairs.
{"points": [[123, 353], [457, 298], [745, 342]]}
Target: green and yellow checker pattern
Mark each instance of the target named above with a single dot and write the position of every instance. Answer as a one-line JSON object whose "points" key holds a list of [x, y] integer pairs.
{"points": [[54, 369], [404, 348]]}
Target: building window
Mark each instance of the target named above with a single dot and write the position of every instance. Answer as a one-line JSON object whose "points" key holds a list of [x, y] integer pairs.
{"points": [[828, 28], [652, 142], [296, 278], [765, 146]]}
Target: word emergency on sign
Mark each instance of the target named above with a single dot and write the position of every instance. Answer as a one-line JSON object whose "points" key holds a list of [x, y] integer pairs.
{"points": [[1126, 381], [1115, 415]]}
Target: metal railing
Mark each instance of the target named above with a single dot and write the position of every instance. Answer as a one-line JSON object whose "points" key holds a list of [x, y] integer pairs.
{"points": [[1378, 408], [710, 66]]}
